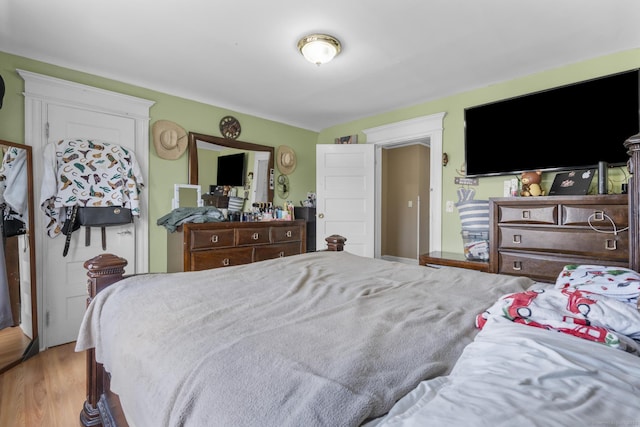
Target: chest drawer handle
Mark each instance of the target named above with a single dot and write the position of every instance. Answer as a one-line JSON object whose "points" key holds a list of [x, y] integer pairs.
{"points": [[517, 265], [610, 245], [226, 262], [281, 254], [214, 238], [517, 238], [289, 234], [598, 216], [526, 214], [255, 236]]}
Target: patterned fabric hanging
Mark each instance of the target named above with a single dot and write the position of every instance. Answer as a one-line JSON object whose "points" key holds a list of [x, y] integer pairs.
{"points": [[88, 173]]}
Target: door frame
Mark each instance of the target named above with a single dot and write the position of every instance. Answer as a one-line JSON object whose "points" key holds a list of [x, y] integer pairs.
{"points": [[426, 130], [41, 91]]}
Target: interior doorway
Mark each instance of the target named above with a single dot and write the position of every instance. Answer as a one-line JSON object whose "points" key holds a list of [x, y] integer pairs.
{"points": [[427, 130], [405, 202]]}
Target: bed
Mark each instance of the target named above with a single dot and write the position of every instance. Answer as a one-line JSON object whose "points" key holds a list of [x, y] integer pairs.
{"points": [[334, 339]]}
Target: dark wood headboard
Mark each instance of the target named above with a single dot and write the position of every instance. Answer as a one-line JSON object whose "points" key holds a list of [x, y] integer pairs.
{"points": [[633, 149]]}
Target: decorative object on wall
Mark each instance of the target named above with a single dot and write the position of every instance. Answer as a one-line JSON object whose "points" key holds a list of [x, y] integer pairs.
{"points": [[283, 186], [351, 139], [230, 127], [319, 48], [170, 139], [1, 90], [445, 159], [286, 159]]}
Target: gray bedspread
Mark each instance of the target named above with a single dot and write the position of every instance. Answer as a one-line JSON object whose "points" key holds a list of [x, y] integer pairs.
{"points": [[319, 339]]}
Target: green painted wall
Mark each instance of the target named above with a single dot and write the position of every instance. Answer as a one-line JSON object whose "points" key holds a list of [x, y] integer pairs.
{"points": [[453, 136], [191, 115], [202, 118]]}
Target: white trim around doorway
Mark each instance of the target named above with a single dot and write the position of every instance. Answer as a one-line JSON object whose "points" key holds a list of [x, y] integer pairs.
{"points": [[425, 130]]}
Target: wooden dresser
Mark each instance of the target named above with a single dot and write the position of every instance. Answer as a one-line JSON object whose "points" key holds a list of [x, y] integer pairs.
{"points": [[220, 244], [538, 236]]}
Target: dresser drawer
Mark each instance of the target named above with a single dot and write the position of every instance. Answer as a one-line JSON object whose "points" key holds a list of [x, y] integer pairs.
{"points": [[598, 216], [219, 244], [542, 267], [252, 236], [276, 251], [211, 239], [568, 241], [203, 260], [529, 214], [285, 234]]}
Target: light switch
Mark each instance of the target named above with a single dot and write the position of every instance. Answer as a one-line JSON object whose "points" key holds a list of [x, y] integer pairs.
{"points": [[449, 206], [410, 204]]}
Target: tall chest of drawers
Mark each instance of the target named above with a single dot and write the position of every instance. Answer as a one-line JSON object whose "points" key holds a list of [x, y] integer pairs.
{"points": [[538, 236], [221, 244]]}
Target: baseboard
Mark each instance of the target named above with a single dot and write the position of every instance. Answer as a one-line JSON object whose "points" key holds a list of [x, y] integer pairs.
{"points": [[399, 259]]}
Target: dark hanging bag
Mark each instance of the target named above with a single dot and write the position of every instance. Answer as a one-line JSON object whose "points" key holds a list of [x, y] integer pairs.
{"points": [[103, 216]]}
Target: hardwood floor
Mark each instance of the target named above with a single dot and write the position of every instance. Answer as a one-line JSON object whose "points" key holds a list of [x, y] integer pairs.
{"points": [[45, 390], [13, 343]]}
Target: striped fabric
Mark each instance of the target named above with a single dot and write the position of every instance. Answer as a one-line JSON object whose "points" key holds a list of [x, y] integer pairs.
{"points": [[474, 215], [236, 204]]}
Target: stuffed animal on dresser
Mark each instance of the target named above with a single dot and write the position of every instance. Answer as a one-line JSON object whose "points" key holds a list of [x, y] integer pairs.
{"points": [[530, 184]]}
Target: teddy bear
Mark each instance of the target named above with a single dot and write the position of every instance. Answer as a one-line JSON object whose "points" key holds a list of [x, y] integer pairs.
{"points": [[530, 184]]}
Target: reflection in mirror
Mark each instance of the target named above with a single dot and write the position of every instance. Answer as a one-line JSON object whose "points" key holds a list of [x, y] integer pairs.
{"points": [[255, 187], [18, 305], [186, 196]]}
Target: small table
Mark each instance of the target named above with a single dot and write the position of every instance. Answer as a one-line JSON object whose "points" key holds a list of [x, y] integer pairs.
{"points": [[452, 259]]}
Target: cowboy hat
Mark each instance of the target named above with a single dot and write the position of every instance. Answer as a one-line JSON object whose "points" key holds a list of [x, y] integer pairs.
{"points": [[286, 159], [170, 139]]}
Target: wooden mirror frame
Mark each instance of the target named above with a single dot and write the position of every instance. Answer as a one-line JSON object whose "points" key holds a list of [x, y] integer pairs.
{"points": [[231, 143], [33, 347]]}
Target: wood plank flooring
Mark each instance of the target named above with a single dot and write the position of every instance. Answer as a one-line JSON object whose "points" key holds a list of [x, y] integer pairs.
{"points": [[12, 345], [45, 390]]}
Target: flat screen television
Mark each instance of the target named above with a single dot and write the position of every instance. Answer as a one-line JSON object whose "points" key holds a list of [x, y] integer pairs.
{"points": [[568, 127], [231, 170]]}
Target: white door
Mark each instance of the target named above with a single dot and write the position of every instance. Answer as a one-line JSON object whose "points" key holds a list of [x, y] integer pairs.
{"points": [[345, 187], [65, 282], [259, 191], [26, 315]]}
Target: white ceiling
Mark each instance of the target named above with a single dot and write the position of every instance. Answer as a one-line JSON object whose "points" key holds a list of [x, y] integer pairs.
{"points": [[242, 55]]}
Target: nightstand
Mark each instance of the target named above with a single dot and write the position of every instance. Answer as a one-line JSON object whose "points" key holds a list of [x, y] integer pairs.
{"points": [[451, 259]]}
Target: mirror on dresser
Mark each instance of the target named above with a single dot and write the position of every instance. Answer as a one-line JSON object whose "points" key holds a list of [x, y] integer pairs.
{"points": [[18, 305], [204, 151]]}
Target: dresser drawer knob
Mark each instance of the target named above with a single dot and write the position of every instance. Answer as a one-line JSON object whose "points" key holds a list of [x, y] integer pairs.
{"points": [[610, 245], [517, 265], [289, 233], [214, 238], [281, 254], [226, 262], [526, 214], [255, 236], [517, 238]]}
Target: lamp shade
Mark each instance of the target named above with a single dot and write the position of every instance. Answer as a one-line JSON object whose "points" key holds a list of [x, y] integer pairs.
{"points": [[319, 48]]}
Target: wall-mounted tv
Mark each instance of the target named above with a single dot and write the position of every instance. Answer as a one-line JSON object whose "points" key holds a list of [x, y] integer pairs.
{"points": [[231, 170], [568, 127]]}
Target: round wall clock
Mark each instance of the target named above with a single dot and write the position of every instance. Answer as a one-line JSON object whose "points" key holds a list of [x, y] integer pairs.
{"points": [[230, 127]]}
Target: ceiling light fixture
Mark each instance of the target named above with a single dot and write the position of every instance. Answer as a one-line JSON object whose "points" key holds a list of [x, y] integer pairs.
{"points": [[319, 48]]}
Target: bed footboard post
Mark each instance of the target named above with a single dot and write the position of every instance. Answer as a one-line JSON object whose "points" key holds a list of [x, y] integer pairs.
{"points": [[335, 242], [633, 149], [103, 270]]}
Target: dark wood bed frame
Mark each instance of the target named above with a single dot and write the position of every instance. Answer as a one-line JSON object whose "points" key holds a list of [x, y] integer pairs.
{"points": [[102, 407]]}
